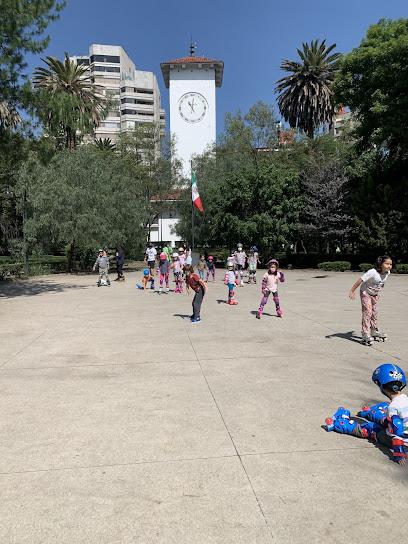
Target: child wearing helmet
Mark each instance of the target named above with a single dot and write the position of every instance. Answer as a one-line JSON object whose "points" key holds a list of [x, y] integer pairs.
{"points": [[164, 267], [388, 422], [239, 260], [210, 268], [201, 267], [270, 285], [230, 280], [102, 261], [253, 261], [177, 267], [146, 278], [371, 284]]}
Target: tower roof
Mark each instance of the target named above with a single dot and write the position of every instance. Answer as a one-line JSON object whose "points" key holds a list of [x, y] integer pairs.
{"points": [[198, 62]]}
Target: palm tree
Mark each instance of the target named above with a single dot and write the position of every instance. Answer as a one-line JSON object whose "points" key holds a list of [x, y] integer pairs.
{"points": [[305, 99], [72, 101], [104, 144], [9, 117]]}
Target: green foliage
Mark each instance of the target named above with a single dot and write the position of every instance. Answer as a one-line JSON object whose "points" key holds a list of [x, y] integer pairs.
{"points": [[373, 82], [82, 198], [364, 267], [21, 25], [335, 266], [402, 268]]}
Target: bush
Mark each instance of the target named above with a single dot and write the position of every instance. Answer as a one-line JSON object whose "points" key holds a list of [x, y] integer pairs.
{"points": [[364, 267], [335, 266], [11, 269], [402, 269]]}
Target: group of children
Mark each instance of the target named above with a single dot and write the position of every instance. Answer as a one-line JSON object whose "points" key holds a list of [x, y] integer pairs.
{"points": [[102, 262]]}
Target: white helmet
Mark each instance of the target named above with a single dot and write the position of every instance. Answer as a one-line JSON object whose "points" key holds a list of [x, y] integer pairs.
{"points": [[230, 262], [175, 255], [239, 246]]}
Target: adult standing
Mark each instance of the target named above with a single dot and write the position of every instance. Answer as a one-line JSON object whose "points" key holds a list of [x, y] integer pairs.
{"points": [[189, 257], [120, 261], [151, 257]]}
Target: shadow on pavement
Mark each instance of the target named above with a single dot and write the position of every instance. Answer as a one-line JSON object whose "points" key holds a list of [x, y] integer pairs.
{"points": [[181, 315], [254, 312], [30, 288], [346, 336]]}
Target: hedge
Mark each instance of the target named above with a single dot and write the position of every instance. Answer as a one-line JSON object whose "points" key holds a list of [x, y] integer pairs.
{"points": [[335, 266], [402, 268], [364, 267]]}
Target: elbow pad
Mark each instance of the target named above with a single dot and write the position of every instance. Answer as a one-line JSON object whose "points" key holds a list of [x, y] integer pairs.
{"points": [[396, 426]]}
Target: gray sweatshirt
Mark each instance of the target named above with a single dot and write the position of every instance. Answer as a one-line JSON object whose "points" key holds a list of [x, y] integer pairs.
{"points": [[102, 262]]}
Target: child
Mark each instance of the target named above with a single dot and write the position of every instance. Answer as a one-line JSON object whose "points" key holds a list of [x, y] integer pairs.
{"points": [[146, 278], [151, 258], [200, 289], [177, 268], [371, 284], [102, 262], [201, 266], [270, 285], [210, 268], [239, 260], [164, 267], [253, 262], [388, 422], [230, 280]]}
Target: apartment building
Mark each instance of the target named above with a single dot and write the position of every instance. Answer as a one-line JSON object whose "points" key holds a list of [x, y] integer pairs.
{"points": [[340, 118], [134, 93]]}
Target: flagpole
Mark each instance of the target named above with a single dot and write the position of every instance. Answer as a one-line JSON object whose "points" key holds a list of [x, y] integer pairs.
{"points": [[192, 215]]}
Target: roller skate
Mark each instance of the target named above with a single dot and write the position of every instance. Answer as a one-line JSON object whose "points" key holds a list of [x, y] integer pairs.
{"points": [[279, 313], [366, 339], [341, 413], [177, 289], [167, 290], [233, 302], [242, 283], [378, 336], [181, 290], [213, 280], [160, 291], [258, 315], [375, 413]]}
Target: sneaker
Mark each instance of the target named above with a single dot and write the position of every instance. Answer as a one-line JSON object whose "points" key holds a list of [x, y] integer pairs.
{"points": [[197, 320]]}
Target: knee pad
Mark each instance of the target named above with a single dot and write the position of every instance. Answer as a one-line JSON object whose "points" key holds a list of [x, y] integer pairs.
{"points": [[264, 301], [276, 300], [231, 293]]}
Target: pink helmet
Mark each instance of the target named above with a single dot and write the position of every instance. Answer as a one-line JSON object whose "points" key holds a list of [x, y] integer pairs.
{"points": [[210, 258], [273, 261], [163, 255]]}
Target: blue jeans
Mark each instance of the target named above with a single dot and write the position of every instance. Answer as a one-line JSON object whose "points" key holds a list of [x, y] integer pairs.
{"points": [[201, 274]]}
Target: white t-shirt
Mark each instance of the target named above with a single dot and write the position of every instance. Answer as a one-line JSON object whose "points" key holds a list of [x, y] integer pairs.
{"points": [[399, 407], [373, 281], [230, 277], [151, 253]]}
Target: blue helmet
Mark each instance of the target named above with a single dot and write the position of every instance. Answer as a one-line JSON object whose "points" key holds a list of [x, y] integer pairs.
{"points": [[255, 248], [388, 373], [146, 272]]}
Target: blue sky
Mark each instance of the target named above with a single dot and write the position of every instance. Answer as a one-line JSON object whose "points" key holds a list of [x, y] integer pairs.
{"points": [[251, 38]]}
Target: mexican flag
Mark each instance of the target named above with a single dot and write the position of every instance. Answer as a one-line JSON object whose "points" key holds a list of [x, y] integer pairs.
{"points": [[195, 194]]}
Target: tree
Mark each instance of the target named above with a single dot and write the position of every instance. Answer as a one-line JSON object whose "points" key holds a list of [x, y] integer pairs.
{"points": [[9, 117], [22, 22], [305, 99], [104, 144], [67, 100], [373, 82], [82, 198], [326, 187]]}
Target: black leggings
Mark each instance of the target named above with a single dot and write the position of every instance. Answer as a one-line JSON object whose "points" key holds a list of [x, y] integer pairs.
{"points": [[197, 300], [120, 273]]}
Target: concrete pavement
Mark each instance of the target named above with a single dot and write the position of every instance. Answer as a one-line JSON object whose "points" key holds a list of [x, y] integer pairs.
{"points": [[121, 422]]}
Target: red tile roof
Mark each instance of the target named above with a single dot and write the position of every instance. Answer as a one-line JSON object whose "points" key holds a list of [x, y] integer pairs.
{"points": [[187, 60]]}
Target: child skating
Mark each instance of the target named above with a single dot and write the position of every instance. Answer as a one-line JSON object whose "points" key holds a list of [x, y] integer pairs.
{"points": [[145, 280], [177, 267], [199, 287], [210, 268], [102, 261], [388, 422], [230, 280], [164, 267], [202, 267], [239, 260], [253, 261], [270, 286], [371, 284]]}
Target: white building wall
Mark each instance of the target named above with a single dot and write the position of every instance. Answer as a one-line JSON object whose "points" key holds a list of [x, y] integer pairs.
{"points": [[192, 138]]}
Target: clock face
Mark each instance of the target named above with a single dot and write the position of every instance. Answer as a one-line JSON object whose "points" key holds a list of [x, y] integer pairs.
{"points": [[192, 107]]}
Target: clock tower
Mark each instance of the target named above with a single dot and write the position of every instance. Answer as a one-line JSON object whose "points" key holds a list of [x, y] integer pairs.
{"points": [[192, 81]]}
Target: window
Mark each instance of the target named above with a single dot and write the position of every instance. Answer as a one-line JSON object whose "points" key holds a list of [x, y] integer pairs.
{"points": [[111, 125], [128, 112], [105, 58], [105, 69], [143, 91], [134, 101], [82, 61]]}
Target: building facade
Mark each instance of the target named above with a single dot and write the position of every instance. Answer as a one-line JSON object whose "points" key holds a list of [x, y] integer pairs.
{"points": [[134, 93]]}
